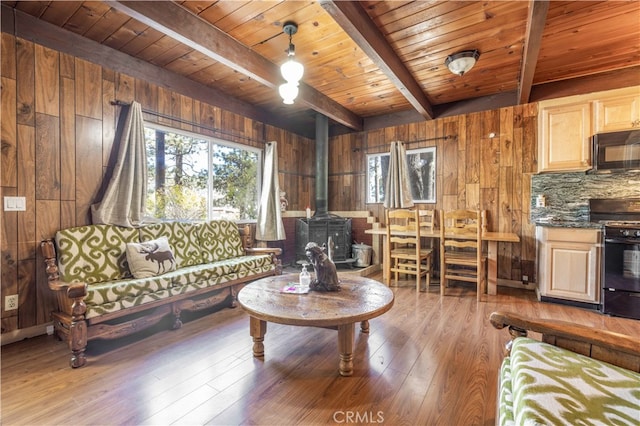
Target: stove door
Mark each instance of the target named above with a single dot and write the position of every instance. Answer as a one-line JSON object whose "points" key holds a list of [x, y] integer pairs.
{"points": [[621, 264], [621, 303]]}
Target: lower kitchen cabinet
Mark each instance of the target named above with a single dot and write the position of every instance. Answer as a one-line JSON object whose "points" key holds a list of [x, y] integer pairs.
{"points": [[569, 263]]}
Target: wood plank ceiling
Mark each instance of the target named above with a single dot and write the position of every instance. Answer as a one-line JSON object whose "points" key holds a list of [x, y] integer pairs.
{"points": [[366, 63]]}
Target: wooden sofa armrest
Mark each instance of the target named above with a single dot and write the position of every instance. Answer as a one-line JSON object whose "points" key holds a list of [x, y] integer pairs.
{"points": [[276, 251], [615, 348], [74, 292]]}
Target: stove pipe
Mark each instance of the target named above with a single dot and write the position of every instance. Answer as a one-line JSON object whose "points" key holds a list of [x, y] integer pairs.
{"points": [[322, 166]]}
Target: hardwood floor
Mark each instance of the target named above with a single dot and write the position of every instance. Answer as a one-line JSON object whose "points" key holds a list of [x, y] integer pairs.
{"points": [[428, 361]]}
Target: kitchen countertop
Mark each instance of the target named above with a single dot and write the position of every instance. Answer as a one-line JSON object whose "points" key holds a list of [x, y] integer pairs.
{"points": [[569, 224]]}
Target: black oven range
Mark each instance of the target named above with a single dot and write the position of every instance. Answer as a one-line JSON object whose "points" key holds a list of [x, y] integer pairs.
{"points": [[621, 259]]}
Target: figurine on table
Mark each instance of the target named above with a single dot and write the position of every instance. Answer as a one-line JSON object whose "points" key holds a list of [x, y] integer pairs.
{"points": [[326, 275]]}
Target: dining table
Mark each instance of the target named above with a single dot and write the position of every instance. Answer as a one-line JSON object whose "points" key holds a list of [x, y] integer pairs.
{"points": [[492, 238]]}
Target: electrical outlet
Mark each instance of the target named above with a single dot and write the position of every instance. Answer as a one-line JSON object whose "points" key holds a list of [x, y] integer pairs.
{"points": [[525, 279], [11, 302]]}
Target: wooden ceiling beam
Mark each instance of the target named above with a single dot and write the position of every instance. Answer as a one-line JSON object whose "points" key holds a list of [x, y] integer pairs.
{"points": [[533, 37], [180, 24], [19, 24], [355, 21], [609, 80]]}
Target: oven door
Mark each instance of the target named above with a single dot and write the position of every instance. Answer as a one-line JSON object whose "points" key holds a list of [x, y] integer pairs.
{"points": [[621, 277]]}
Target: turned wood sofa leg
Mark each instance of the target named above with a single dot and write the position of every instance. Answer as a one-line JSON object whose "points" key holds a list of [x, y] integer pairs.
{"points": [[78, 343], [234, 297], [78, 326]]}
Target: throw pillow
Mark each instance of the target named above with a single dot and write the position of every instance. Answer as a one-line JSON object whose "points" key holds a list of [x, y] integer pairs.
{"points": [[150, 258]]}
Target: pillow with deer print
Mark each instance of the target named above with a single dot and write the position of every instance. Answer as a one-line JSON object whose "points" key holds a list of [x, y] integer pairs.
{"points": [[150, 258]]}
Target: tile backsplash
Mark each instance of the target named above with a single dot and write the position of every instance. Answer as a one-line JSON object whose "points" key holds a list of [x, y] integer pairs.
{"points": [[567, 194]]}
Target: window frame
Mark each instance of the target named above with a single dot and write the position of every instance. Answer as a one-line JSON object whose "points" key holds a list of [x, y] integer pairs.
{"points": [[419, 152], [213, 141]]}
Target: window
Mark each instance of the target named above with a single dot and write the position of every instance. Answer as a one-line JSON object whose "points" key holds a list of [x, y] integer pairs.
{"points": [[194, 177], [421, 166]]}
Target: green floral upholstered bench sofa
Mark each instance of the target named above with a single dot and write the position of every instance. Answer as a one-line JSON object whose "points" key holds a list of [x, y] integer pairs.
{"points": [[576, 375], [111, 281]]}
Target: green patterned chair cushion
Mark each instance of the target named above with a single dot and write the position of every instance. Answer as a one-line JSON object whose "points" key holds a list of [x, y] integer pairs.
{"points": [[183, 239], [220, 240], [94, 253], [207, 274], [250, 263], [554, 386], [201, 273], [113, 291], [505, 395], [127, 302]]}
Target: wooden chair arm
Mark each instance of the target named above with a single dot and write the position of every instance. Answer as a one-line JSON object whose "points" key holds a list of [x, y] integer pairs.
{"points": [[554, 331]]}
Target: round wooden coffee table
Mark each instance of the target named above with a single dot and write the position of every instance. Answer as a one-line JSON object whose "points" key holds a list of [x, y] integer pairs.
{"points": [[359, 300]]}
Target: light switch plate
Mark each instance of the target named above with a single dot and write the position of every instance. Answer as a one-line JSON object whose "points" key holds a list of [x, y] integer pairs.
{"points": [[15, 204]]}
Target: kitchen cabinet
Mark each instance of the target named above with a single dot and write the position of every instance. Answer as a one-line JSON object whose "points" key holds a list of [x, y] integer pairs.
{"points": [[564, 135], [618, 112], [569, 263]]}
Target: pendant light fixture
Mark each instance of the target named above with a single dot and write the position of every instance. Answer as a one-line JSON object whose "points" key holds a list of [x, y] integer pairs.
{"points": [[291, 70], [461, 62]]}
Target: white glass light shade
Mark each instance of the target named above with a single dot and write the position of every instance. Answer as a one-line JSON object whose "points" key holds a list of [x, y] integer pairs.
{"points": [[292, 70], [462, 62], [288, 92]]}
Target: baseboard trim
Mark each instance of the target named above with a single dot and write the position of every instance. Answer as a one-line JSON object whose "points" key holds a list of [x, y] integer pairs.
{"points": [[25, 333]]}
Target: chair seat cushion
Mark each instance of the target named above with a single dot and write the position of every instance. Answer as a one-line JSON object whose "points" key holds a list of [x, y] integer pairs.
{"points": [[551, 385]]}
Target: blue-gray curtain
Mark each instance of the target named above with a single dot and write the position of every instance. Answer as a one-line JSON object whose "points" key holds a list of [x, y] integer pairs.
{"points": [[397, 194], [124, 200], [269, 226]]}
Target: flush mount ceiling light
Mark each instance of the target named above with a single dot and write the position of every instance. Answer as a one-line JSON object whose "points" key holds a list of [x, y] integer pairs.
{"points": [[291, 70], [461, 62]]}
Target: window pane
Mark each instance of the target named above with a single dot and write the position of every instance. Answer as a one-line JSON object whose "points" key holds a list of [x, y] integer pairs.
{"points": [[182, 186], [377, 170], [421, 167], [234, 176], [177, 175]]}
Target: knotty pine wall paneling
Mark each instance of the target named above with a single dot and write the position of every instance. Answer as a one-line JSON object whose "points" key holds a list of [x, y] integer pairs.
{"points": [[58, 127]]}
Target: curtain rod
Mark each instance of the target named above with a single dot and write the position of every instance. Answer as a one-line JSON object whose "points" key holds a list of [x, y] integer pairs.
{"points": [[118, 102], [410, 142]]}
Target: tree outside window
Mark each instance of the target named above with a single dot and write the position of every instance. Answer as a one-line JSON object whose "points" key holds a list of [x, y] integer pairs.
{"points": [[191, 177]]}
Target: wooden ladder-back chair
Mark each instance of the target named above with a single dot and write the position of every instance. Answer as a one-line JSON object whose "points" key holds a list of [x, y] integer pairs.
{"points": [[461, 256], [406, 253]]}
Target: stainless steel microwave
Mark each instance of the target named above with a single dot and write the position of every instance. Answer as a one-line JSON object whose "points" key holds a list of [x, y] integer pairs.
{"points": [[616, 151]]}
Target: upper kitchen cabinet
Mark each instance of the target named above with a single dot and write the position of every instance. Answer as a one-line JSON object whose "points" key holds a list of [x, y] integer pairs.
{"points": [[619, 111], [566, 126], [564, 129]]}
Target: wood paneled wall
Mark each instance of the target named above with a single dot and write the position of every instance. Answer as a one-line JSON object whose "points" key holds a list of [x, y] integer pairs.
{"points": [[474, 171], [58, 127]]}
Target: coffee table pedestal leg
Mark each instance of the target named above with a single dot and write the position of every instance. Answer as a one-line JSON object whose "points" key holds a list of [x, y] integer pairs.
{"points": [[258, 329], [345, 346]]}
